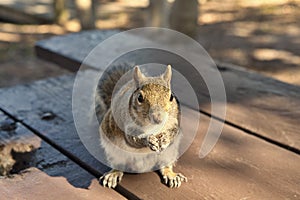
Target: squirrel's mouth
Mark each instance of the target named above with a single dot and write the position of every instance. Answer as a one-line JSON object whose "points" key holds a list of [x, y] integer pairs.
{"points": [[151, 136], [153, 129], [157, 118]]}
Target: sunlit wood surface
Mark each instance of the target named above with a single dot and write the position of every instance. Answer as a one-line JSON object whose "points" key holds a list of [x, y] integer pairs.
{"points": [[256, 157]]}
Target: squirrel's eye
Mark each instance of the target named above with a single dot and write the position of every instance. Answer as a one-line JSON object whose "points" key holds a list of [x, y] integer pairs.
{"points": [[140, 98], [171, 97]]}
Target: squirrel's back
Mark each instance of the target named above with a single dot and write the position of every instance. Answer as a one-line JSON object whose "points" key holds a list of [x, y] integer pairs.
{"points": [[106, 86]]}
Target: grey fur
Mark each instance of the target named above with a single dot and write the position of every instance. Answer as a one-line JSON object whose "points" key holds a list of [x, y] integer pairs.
{"points": [[106, 86], [138, 146]]}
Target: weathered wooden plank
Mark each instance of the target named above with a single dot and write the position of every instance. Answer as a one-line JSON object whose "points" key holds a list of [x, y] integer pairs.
{"points": [[51, 127], [240, 166], [21, 149], [255, 103], [35, 184], [262, 105], [63, 54]]}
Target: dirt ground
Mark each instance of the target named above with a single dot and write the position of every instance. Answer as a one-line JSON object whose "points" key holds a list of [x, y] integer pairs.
{"points": [[259, 35]]}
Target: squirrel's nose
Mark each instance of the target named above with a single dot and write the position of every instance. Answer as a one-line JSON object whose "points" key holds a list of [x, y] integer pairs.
{"points": [[156, 118]]}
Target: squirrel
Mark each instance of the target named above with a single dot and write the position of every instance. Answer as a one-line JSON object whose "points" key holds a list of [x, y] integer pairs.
{"points": [[139, 124]]}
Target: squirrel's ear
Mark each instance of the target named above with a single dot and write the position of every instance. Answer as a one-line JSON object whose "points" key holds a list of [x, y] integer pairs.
{"points": [[168, 75], [137, 75]]}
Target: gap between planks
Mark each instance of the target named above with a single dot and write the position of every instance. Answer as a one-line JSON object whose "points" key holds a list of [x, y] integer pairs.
{"points": [[71, 156], [248, 131], [27, 160]]}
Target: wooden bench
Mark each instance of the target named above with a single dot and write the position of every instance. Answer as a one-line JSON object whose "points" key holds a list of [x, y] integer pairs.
{"points": [[256, 157]]}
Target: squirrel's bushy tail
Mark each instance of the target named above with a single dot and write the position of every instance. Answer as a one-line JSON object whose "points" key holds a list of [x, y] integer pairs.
{"points": [[107, 84]]}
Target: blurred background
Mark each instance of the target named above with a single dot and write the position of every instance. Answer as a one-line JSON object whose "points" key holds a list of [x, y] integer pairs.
{"points": [[261, 35]]}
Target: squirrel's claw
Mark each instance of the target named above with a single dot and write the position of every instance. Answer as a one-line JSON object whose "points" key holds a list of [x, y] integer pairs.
{"points": [[172, 179], [111, 178], [153, 144]]}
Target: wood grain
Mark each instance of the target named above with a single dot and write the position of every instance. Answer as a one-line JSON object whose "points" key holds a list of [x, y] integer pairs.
{"points": [[240, 166], [260, 105], [21, 149], [35, 184]]}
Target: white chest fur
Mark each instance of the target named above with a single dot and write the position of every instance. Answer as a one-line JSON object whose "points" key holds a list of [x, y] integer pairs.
{"points": [[125, 158]]}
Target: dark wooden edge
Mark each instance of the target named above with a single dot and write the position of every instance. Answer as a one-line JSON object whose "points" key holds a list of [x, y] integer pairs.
{"points": [[14, 15], [63, 61]]}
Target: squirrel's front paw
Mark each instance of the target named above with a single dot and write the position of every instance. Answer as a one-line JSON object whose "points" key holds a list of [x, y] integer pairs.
{"points": [[111, 178], [160, 141], [172, 179], [154, 144]]}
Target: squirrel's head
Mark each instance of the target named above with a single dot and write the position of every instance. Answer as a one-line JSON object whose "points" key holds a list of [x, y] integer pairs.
{"points": [[152, 100]]}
